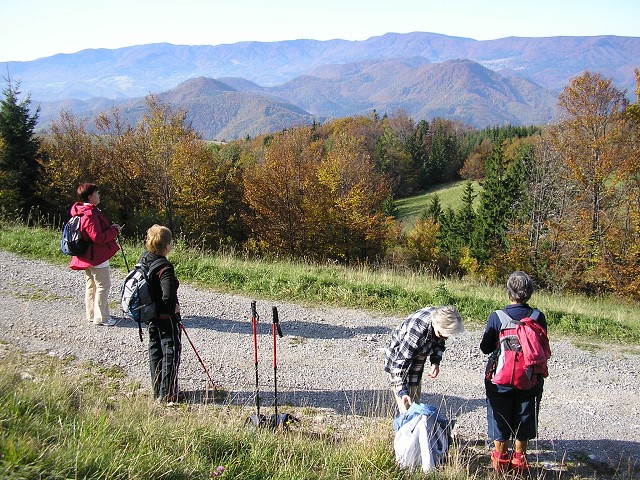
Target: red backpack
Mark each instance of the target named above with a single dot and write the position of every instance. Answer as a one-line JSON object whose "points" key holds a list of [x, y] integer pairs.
{"points": [[522, 354]]}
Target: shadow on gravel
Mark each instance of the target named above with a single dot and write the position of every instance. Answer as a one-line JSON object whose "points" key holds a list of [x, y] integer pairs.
{"points": [[551, 460], [295, 328], [607, 459], [368, 403]]}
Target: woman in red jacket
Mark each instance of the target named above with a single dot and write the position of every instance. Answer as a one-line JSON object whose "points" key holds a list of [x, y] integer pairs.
{"points": [[95, 261]]}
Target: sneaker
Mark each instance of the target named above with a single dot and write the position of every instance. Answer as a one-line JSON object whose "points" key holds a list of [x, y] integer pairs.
{"points": [[109, 322], [501, 461], [519, 462]]}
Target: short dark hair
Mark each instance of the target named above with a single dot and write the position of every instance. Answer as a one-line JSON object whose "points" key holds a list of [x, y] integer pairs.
{"points": [[519, 287], [85, 190]]}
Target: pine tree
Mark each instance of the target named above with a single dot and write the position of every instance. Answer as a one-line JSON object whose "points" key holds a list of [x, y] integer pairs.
{"points": [[499, 201], [433, 210], [449, 241], [466, 217], [19, 165]]}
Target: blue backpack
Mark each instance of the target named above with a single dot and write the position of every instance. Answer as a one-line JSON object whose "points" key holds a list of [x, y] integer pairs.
{"points": [[72, 242]]}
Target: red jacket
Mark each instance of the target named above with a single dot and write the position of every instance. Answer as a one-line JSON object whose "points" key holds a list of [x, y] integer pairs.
{"points": [[94, 226]]}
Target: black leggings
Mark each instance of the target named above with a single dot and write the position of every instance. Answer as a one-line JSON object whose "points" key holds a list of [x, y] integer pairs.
{"points": [[165, 347]]}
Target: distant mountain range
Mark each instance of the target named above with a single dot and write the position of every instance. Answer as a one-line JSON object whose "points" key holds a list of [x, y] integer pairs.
{"points": [[248, 88]]}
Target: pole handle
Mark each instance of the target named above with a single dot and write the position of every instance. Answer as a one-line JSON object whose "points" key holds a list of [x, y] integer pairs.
{"points": [[254, 327], [276, 322]]}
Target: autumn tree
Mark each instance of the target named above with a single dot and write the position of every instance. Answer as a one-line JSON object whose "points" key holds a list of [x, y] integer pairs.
{"points": [[278, 191], [548, 198], [207, 198], [592, 141], [422, 243], [473, 167], [166, 143], [69, 158], [120, 152], [349, 205]]}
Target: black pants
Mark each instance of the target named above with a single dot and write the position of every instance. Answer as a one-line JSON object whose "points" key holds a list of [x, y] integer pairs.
{"points": [[512, 413], [165, 348]]}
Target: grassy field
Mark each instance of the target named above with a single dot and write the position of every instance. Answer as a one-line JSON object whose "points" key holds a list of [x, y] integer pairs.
{"points": [[62, 419], [450, 194]]}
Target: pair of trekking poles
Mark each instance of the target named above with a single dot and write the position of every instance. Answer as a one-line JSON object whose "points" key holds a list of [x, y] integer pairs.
{"points": [[184, 330], [277, 420]]}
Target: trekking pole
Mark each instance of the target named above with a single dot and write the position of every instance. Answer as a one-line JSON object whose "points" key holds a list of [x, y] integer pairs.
{"points": [[254, 326], [215, 388], [122, 250], [283, 420], [256, 420], [275, 327]]}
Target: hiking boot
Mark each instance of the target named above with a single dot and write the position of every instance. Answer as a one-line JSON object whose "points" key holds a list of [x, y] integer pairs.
{"points": [[501, 461], [519, 462]]}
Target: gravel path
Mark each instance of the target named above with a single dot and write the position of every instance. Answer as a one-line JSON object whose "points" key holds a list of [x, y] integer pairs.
{"points": [[331, 360]]}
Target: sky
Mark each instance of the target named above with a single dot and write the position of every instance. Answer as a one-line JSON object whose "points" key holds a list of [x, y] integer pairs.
{"points": [[32, 29]]}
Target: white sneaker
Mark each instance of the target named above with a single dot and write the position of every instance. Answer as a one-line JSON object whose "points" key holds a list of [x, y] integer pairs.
{"points": [[110, 322]]}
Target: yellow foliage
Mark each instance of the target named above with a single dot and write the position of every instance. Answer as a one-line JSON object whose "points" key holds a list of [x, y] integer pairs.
{"points": [[422, 242]]}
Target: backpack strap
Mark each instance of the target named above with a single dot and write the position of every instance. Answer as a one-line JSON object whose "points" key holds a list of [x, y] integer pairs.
{"points": [[156, 263], [156, 269], [505, 320], [152, 267]]}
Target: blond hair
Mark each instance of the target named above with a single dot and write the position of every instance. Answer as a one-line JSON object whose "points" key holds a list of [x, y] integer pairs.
{"points": [[447, 321], [158, 239]]}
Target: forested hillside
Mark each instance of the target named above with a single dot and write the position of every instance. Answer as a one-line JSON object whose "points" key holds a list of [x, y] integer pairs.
{"points": [[560, 202], [229, 109]]}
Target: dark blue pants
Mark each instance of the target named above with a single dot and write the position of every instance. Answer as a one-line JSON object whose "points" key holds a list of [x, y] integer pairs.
{"points": [[165, 348], [512, 413]]}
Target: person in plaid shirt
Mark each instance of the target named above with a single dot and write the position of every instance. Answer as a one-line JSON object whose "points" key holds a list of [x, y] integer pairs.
{"points": [[421, 335]]}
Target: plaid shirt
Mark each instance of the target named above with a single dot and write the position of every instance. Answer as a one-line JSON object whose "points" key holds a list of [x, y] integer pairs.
{"points": [[411, 343]]}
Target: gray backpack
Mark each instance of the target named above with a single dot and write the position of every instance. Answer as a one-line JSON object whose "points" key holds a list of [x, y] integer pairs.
{"points": [[135, 293]]}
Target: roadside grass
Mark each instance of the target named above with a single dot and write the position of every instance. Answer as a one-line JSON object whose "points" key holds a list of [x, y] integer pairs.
{"points": [[62, 419], [382, 292]]}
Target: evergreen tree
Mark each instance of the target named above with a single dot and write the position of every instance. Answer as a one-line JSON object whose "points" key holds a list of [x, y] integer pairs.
{"points": [[449, 240], [389, 207], [499, 203], [438, 156], [417, 148], [19, 166], [466, 217], [434, 210]]}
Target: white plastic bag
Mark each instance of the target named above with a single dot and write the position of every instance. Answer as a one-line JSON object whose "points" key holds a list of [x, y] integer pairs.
{"points": [[421, 442]]}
